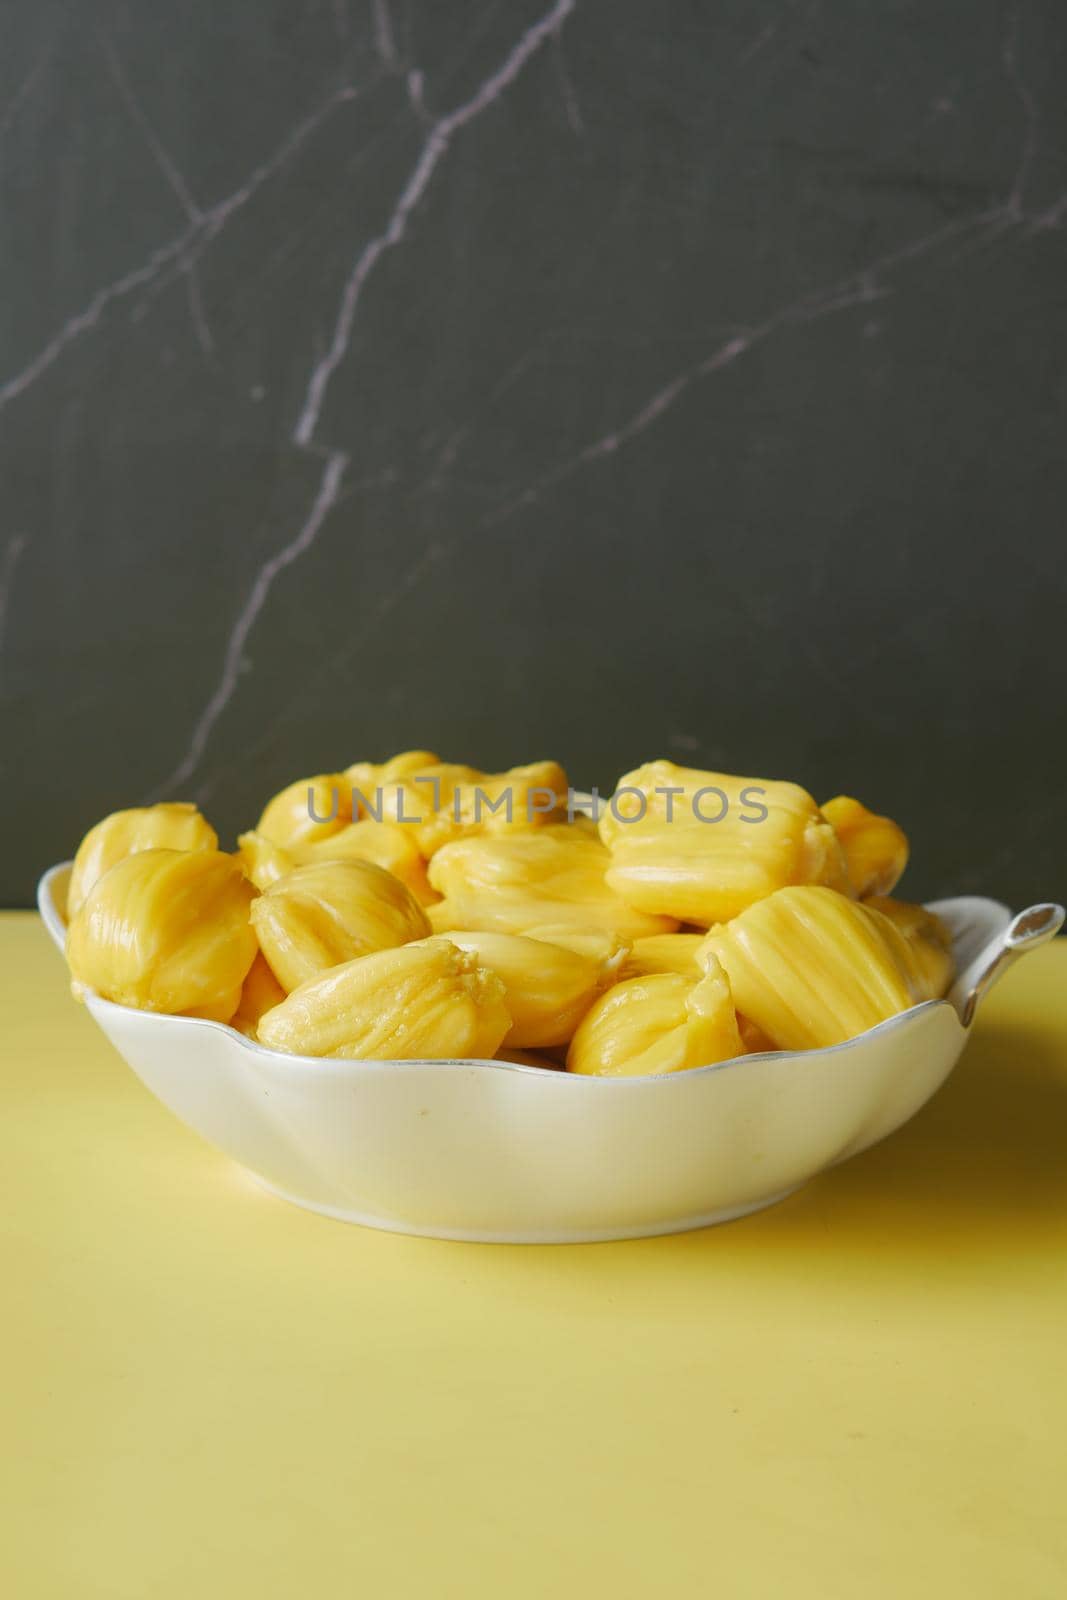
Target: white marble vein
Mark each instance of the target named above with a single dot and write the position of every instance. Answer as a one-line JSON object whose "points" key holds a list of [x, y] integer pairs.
{"points": [[393, 61], [1053, 216], [234, 660], [174, 180], [870, 283], [1017, 195], [566, 89], [384, 38], [371, 624], [878, 278], [434, 149], [82, 321], [197, 314], [449, 452], [160, 155], [25, 89], [415, 84], [170, 258]]}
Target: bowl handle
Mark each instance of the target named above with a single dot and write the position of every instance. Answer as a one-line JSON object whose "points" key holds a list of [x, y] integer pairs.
{"points": [[1037, 925]]}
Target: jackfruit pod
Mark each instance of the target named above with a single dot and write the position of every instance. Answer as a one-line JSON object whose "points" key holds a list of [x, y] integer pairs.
{"points": [[876, 849], [809, 967], [556, 860], [171, 825], [754, 1039], [928, 939], [504, 911], [547, 988], [328, 912], [264, 862], [421, 801], [580, 823], [366, 778], [420, 1001], [662, 1023], [664, 952], [308, 810], [598, 944], [714, 845], [523, 797], [519, 880], [446, 802], [166, 930], [527, 1058], [260, 993], [386, 844]]}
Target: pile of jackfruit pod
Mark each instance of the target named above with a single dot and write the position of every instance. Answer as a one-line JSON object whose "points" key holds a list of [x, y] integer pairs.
{"points": [[654, 940]]}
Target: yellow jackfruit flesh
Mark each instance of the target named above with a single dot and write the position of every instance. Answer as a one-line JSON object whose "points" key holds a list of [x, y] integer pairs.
{"points": [[260, 993], [421, 1001], [528, 1058], [518, 880], [308, 810], [443, 802], [928, 939], [264, 862], [328, 912], [574, 922], [547, 988], [662, 1023], [754, 1039], [810, 967], [171, 825], [166, 930], [876, 849], [386, 844], [366, 777], [522, 797], [598, 944], [701, 846], [664, 952], [420, 801]]}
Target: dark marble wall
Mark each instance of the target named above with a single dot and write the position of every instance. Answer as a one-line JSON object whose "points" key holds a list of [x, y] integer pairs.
{"points": [[598, 379]]}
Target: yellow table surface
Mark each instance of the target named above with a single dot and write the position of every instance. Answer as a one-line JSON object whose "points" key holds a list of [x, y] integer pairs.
{"points": [[209, 1393]]}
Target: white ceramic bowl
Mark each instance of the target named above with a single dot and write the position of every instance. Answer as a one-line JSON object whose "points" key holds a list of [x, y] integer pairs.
{"points": [[486, 1150]]}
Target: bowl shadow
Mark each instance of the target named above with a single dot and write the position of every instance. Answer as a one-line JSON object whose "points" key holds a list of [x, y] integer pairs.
{"points": [[986, 1156], [981, 1171]]}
